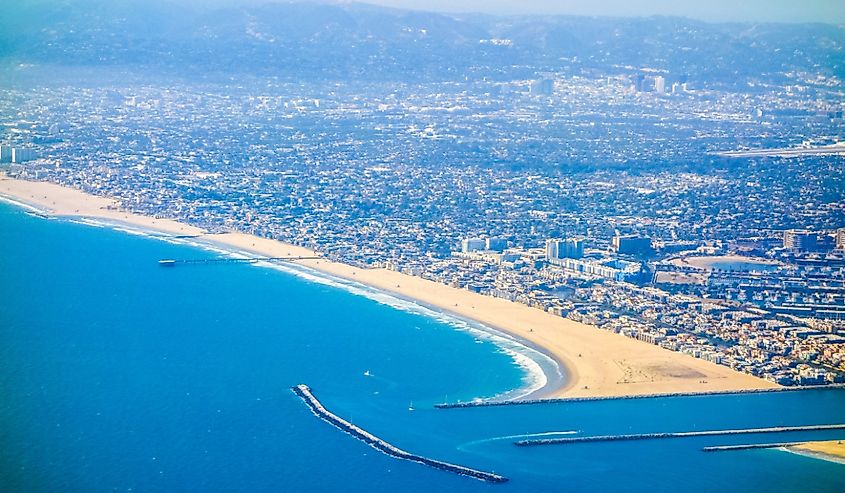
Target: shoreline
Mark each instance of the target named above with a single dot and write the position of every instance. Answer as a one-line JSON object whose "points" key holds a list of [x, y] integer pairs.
{"points": [[551, 383], [592, 362], [827, 450]]}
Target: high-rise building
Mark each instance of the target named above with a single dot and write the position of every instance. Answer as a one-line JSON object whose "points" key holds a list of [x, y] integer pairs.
{"points": [[566, 248], [20, 154], [639, 82], [470, 245], [632, 244], [801, 240], [552, 249], [542, 87], [5, 153], [496, 244], [840, 239], [659, 84]]}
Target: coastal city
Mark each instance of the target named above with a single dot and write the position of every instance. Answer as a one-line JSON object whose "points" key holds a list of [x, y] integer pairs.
{"points": [[322, 245], [739, 261]]}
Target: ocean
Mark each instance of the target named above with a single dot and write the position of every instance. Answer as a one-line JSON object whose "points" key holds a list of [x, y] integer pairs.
{"points": [[119, 375]]}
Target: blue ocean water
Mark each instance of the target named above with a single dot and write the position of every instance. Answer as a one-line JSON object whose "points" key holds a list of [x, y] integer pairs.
{"points": [[119, 375]]}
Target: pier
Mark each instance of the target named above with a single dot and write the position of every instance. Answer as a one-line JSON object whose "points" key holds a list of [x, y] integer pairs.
{"points": [[557, 400], [304, 392], [682, 434], [166, 262]]}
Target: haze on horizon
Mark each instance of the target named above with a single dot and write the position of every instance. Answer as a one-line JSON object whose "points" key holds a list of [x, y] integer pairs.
{"points": [[827, 11], [753, 11]]}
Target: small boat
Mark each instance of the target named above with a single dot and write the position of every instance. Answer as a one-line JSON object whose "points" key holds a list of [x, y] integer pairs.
{"points": [[411, 406], [367, 373], [166, 262]]}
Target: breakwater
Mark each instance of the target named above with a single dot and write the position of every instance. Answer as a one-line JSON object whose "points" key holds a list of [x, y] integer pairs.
{"points": [[304, 392], [556, 400], [682, 434], [749, 446]]}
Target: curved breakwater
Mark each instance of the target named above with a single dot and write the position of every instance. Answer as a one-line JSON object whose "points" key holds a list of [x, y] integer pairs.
{"points": [[304, 392], [682, 434], [520, 402]]}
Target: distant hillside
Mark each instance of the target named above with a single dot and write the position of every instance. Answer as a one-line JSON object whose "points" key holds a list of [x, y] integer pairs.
{"points": [[364, 41]]}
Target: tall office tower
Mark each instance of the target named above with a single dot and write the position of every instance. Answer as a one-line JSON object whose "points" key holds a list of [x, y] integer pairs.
{"points": [[840, 239], [639, 82], [660, 84]]}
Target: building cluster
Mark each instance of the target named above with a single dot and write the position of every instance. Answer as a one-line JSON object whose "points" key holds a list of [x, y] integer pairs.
{"points": [[9, 154], [575, 193]]}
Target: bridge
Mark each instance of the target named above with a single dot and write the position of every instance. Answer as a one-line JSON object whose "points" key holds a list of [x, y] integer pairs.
{"points": [[166, 262]]}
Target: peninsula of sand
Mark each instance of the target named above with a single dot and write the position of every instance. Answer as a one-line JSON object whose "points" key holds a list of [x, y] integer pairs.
{"points": [[596, 362], [831, 450]]}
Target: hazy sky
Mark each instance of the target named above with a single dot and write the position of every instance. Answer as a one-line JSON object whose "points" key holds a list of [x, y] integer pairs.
{"points": [[830, 11]]}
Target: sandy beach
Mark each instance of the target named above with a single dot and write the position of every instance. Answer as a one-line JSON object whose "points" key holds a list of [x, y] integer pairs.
{"points": [[596, 362], [831, 450]]}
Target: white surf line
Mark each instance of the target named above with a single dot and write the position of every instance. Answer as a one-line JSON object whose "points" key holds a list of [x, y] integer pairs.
{"points": [[24, 205], [535, 374]]}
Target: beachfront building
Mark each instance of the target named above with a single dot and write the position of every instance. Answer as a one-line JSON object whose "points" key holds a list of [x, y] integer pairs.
{"points": [[10, 154], [5, 153], [800, 240], [20, 155]]}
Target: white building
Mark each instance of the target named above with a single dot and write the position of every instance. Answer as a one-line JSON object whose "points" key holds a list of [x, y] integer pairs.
{"points": [[470, 245], [660, 84], [20, 155]]}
